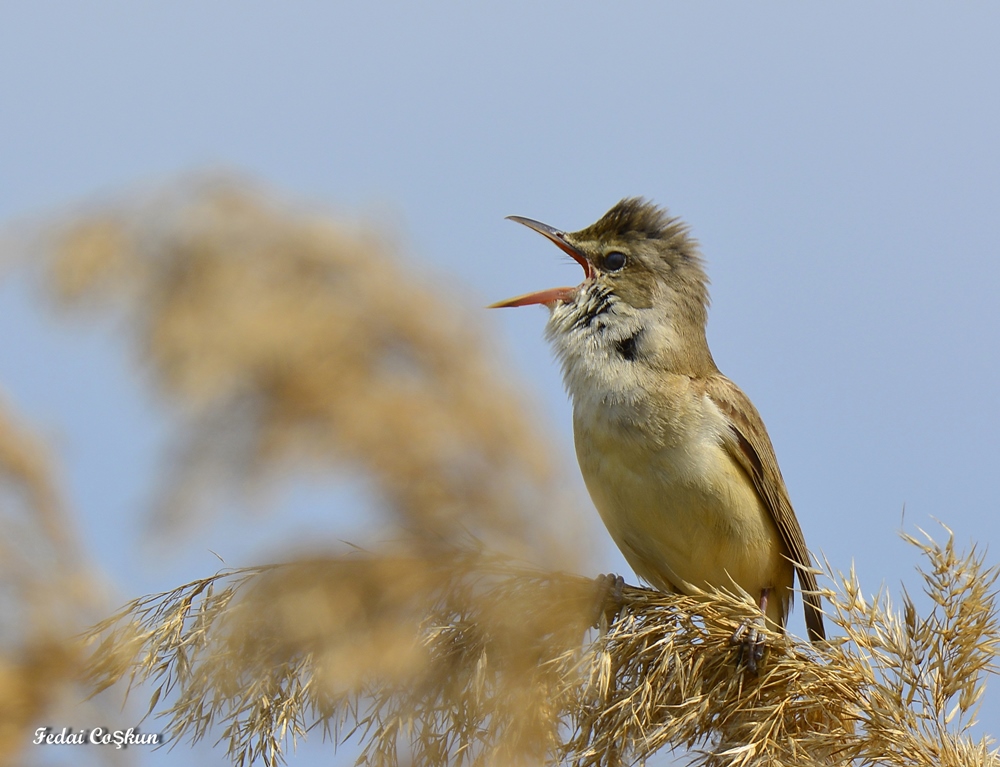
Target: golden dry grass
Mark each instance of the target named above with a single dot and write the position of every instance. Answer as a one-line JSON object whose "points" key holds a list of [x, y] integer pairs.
{"points": [[283, 336], [471, 659], [280, 338], [45, 590]]}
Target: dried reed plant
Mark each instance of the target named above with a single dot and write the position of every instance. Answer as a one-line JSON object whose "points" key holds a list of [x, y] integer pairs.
{"points": [[280, 336], [285, 338], [45, 591], [487, 662]]}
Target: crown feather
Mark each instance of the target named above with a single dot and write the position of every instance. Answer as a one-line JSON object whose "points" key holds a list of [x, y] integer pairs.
{"points": [[637, 217]]}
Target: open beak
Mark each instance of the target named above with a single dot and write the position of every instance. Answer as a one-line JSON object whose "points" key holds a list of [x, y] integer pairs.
{"points": [[550, 296]]}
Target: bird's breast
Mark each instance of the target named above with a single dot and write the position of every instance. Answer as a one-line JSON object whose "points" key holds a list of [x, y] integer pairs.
{"points": [[682, 511]]}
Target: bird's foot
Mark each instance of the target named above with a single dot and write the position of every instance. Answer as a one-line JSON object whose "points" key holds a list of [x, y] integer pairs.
{"points": [[751, 641], [751, 646], [609, 600]]}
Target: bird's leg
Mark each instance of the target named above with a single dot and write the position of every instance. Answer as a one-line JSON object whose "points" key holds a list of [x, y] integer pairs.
{"points": [[609, 600], [751, 641]]}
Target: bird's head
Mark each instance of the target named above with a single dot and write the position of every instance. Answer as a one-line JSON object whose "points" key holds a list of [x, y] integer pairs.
{"points": [[644, 296]]}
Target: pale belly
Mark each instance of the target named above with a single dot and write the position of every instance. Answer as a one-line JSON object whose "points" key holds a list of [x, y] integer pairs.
{"points": [[686, 516]]}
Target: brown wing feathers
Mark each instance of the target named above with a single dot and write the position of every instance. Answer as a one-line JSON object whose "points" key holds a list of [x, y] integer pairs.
{"points": [[752, 449]]}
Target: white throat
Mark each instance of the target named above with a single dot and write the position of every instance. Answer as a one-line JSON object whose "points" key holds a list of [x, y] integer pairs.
{"points": [[606, 348]]}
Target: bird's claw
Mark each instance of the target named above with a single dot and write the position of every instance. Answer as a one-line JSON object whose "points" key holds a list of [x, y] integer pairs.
{"points": [[751, 645], [609, 600]]}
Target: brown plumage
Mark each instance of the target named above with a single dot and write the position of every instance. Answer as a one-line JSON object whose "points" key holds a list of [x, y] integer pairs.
{"points": [[752, 449], [675, 456]]}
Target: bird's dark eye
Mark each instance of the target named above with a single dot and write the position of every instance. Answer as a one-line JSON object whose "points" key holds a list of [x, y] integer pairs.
{"points": [[614, 261]]}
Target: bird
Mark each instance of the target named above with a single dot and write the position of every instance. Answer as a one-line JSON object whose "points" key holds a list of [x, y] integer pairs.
{"points": [[674, 455]]}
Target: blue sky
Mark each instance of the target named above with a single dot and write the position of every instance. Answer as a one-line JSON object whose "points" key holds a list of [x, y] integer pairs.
{"points": [[838, 162]]}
